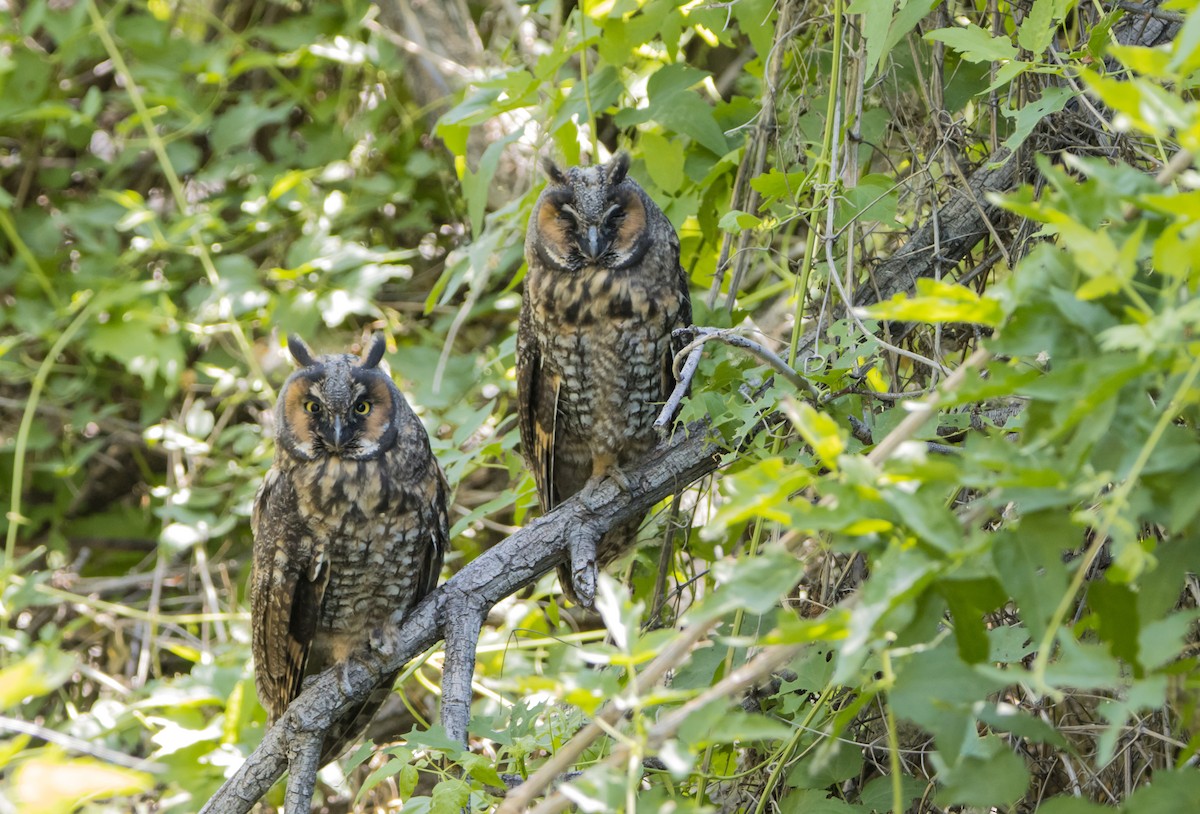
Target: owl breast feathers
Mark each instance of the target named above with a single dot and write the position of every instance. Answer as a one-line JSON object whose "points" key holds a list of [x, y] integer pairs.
{"points": [[603, 293], [350, 527]]}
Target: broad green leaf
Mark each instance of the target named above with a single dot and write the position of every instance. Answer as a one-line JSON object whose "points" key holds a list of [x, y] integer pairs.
{"points": [[736, 221], [1081, 665], [820, 431], [753, 584], [664, 161], [1038, 29], [936, 690], [817, 801], [875, 17], [1030, 114], [449, 797], [991, 776], [40, 672], [936, 301], [975, 44], [55, 784], [1170, 792]]}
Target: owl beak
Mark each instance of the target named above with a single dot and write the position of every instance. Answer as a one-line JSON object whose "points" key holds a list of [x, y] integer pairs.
{"points": [[593, 241], [337, 432]]}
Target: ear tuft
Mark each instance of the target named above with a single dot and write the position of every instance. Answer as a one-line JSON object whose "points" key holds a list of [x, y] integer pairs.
{"points": [[300, 351], [616, 169], [553, 172], [374, 353]]}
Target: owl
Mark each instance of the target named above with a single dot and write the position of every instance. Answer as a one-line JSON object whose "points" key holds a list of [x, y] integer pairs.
{"points": [[350, 528], [603, 293]]}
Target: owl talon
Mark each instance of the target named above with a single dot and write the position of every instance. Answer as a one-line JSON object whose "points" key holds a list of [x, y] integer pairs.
{"points": [[579, 578], [623, 481], [380, 642], [343, 673]]}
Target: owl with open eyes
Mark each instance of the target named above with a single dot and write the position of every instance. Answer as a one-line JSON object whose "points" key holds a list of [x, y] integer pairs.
{"points": [[603, 293], [350, 528]]}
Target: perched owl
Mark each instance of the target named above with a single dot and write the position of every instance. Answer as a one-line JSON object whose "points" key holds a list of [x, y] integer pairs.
{"points": [[349, 526], [603, 293]]}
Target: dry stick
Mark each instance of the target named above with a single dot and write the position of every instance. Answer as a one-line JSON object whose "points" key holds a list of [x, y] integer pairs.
{"points": [[683, 380], [748, 674], [730, 337], [74, 744], [920, 411], [303, 762], [563, 759], [463, 618]]}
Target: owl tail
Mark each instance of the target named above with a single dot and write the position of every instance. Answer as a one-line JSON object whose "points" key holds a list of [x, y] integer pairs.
{"points": [[611, 546], [351, 727]]}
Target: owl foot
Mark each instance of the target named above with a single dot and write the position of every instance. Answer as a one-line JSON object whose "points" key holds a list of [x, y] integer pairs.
{"points": [[380, 642], [578, 576], [590, 491], [343, 674]]}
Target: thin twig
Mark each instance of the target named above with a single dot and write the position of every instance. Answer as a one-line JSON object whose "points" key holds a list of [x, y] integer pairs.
{"points": [[74, 744], [731, 337]]}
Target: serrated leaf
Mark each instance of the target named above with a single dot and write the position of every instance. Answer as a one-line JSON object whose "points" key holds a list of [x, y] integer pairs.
{"points": [[819, 430], [735, 221], [752, 584], [936, 301], [975, 44]]}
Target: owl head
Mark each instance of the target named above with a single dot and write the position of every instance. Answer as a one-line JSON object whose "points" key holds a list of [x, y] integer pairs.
{"points": [[338, 405], [591, 217]]}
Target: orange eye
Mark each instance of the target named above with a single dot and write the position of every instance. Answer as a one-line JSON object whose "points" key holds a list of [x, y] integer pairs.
{"points": [[311, 406], [363, 407]]}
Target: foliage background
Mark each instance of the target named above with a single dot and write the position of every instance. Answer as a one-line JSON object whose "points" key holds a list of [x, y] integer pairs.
{"points": [[1007, 624]]}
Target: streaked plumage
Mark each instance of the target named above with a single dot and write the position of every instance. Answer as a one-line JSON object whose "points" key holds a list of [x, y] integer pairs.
{"points": [[603, 292], [350, 527]]}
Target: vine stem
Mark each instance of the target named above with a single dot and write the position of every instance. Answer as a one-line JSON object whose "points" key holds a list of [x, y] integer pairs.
{"points": [[15, 520], [1120, 498]]}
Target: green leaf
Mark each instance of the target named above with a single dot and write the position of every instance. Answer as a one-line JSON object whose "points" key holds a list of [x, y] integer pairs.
{"points": [[936, 690], [1030, 114], [936, 301], [992, 776], [819, 430], [975, 44], [970, 600], [735, 221], [752, 584], [1081, 665], [1037, 30], [1116, 611], [449, 797], [664, 161], [54, 784], [39, 673], [1170, 792], [875, 18], [817, 801]]}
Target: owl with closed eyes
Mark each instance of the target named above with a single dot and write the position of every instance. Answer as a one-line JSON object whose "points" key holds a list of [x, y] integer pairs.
{"points": [[603, 293], [350, 528]]}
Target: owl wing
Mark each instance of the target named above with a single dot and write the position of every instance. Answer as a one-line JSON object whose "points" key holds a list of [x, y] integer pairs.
{"points": [[290, 575], [439, 537], [537, 408], [682, 320]]}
